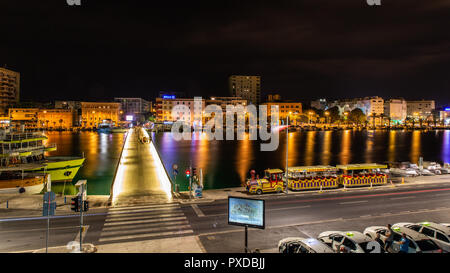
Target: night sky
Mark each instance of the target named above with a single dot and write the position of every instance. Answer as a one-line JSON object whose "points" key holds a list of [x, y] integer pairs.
{"points": [[301, 49]]}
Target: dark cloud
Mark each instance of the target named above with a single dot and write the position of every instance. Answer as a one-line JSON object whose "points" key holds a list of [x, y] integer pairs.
{"points": [[302, 49]]}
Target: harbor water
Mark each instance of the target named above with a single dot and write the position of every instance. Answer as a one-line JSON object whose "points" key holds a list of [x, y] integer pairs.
{"points": [[227, 163]]}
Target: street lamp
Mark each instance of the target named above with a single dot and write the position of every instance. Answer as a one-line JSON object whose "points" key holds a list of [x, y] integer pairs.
{"points": [[287, 150]]}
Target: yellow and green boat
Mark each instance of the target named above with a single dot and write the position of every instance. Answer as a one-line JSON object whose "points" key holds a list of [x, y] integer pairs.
{"points": [[28, 147], [60, 168]]}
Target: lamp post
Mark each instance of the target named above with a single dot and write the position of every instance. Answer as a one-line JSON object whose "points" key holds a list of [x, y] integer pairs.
{"points": [[287, 151]]}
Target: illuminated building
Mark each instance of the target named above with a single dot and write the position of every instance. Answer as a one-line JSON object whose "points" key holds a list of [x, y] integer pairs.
{"points": [[246, 87], [93, 113], [421, 109], [396, 110], [9, 89], [55, 118]]}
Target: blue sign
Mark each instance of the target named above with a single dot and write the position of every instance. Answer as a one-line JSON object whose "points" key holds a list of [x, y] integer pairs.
{"points": [[447, 109], [246, 212], [170, 97]]}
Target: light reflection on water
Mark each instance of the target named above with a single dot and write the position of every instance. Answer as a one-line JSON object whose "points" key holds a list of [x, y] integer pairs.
{"points": [[101, 151], [227, 163]]}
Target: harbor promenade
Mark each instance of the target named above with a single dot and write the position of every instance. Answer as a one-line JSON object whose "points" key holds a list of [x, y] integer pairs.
{"points": [[140, 176]]}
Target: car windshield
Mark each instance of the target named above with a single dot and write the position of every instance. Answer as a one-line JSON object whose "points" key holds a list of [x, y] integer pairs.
{"points": [[427, 245]]}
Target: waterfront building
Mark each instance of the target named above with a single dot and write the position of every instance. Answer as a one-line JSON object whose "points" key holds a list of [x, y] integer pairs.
{"points": [[9, 89], [396, 110], [158, 106], [23, 116], [133, 108], [285, 108], [94, 113], [55, 118], [167, 104], [246, 87], [371, 106], [421, 109]]}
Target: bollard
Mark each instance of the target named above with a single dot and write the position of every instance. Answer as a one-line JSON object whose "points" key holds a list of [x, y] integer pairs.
{"points": [[403, 180], [64, 200], [7, 203]]}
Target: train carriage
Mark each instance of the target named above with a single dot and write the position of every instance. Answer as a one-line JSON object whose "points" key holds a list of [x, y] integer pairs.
{"points": [[358, 175], [312, 177]]}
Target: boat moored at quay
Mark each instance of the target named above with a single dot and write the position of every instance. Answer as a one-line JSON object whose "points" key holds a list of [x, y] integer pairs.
{"points": [[26, 151]]}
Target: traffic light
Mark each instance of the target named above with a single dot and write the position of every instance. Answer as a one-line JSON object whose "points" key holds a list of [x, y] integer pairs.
{"points": [[85, 205], [75, 205], [194, 172], [188, 173]]}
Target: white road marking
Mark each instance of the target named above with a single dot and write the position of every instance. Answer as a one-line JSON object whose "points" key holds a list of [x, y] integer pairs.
{"points": [[404, 197], [155, 210], [144, 207], [353, 202], [125, 237], [143, 230], [299, 207], [154, 220], [147, 227], [135, 217], [197, 210]]}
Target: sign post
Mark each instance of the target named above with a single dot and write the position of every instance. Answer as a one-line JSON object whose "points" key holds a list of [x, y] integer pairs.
{"points": [[82, 185], [48, 208], [246, 212]]}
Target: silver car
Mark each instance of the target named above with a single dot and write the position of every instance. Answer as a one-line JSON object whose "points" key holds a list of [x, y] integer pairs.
{"points": [[302, 245], [350, 241], [440, 234], [417, 241]]}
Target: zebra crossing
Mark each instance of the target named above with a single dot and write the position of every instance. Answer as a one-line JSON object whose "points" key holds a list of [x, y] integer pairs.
{"points": [[142, 222]]}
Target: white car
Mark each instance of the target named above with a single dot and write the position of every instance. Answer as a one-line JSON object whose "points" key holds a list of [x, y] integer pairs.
{"points": [[440, 234], [303, 245], [417, 241], [445, 224], [352, 241]]}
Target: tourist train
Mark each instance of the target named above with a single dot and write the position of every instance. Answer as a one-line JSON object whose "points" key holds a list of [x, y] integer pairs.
{"points": [[318, 177]]}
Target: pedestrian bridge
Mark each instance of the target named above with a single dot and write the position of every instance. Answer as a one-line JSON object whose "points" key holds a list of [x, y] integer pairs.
{"points": [[140, 175]]}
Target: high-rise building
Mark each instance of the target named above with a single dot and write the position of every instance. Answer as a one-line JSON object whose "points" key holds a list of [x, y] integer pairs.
{"points": [[246, 87], [9, 88]]}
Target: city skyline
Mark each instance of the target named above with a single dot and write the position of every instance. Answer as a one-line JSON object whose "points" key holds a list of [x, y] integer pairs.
{"points": [[102, 50]]}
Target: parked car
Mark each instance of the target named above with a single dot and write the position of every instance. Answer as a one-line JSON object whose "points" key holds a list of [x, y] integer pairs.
{"points": [[303, 245], [417, 241], [352, 241], [440, 234]]}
